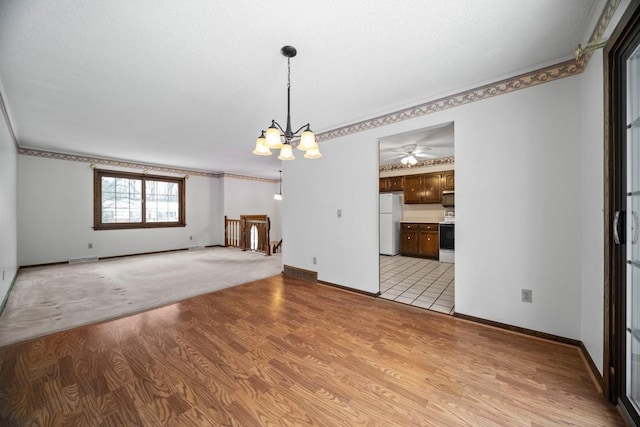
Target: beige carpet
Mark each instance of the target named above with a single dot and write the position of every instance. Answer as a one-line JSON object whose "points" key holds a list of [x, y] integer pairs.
{"points": [[54, 298]]}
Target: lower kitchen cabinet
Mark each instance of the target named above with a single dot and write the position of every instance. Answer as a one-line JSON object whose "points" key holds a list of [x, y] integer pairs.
{"points": [[409, 245], [419, 239], [429, 245]]}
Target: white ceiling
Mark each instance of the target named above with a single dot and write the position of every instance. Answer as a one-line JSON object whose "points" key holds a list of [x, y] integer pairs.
{"points": [[434, 142], [191, 83]]}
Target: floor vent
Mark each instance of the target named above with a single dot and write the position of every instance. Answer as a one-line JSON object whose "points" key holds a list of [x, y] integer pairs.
{"points": [[195, 248], [83, 260], [300, 273]]}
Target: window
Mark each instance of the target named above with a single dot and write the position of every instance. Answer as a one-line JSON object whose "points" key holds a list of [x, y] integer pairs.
{"points": [[132, 200]]}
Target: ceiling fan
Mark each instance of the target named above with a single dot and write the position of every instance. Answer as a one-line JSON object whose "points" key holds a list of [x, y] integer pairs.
{"points": [[410, 153]]}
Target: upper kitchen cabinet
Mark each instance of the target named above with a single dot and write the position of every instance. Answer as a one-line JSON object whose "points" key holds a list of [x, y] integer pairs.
{"points": [[392, 183], [413, 189], [424, 188], [448, 181], [384, 184], [396, 183], [431, 189]]}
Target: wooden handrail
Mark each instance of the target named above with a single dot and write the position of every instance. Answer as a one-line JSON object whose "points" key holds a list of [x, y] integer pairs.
{"points": [[248, 234]]}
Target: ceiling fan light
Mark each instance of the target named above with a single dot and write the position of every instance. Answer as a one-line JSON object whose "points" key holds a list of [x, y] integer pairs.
{"points": [[261, 146], [307, 140], [404, 160], [274, 137], [286, 152], [313, 153], [412, 160]]}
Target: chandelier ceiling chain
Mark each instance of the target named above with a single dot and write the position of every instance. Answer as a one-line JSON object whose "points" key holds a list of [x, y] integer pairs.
{"points": [[276, 137]]}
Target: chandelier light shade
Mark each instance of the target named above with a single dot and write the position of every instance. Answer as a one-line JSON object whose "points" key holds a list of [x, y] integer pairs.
{"points": [[262, 149], [286, 152], [285, 139], [278, 195], [313, 153]]}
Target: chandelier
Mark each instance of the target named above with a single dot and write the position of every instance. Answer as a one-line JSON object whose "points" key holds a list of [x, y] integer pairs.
{"points": [[275, 137]]}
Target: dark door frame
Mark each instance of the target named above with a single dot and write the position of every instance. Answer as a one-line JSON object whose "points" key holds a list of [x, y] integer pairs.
{"points": [[617, 51]]}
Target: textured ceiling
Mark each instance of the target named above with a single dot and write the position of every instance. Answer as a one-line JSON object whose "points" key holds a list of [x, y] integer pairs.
{"points": [[191, 83], [429, 143]]}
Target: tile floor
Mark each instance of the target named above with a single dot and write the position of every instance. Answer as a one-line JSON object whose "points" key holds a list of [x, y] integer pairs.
{"points": [[421, 282]]}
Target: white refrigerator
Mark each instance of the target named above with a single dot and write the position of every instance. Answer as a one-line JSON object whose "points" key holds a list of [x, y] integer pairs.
{"points": [[390, 217]]}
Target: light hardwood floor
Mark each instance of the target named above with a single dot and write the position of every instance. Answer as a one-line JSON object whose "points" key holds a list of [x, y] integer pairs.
{"points": [[285, 352]]}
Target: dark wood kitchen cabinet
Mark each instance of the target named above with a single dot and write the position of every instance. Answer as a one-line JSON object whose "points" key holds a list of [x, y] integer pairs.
{"points": [[409, 244], [396, 183], [448, 181], [419, 240], [391, 183], [412, 189], [425, 188], [431, 190], [429, 246]]}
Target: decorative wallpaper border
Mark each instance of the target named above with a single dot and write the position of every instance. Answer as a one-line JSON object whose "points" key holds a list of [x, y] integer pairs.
{"points": [[523, 81], [430, 162], [250, 178], [601, 26], [603, 22], [116, 163], [133, 165]]}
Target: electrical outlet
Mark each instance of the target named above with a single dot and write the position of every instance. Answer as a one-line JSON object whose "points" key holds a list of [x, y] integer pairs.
{"points": [[90, 246], [315, 260], [339, 213], [190, 237], [527, 295]]}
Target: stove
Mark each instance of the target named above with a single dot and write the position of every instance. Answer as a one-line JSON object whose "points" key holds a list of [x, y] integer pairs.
{"points": [[447, 239]]}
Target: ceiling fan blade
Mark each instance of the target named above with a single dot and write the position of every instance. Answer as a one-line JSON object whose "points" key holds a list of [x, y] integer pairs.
{"points": [[396, 156]]}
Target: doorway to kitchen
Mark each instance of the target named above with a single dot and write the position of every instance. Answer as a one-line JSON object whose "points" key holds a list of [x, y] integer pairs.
{"points": [[417, 218]]}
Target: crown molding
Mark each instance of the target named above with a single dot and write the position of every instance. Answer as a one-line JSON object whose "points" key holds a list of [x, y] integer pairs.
{"points": [[134, 165], [5, 113], [249, 178], [116, 163], [603, 22]]}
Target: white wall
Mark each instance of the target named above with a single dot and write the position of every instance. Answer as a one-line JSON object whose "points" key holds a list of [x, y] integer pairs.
{"points": [[345, 178], [518, 189], [592, 217], [8, 212], [55, 216], [251, 197]]}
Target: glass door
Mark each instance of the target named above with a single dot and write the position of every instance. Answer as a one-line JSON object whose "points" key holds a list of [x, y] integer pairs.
{"points": [[633, 230]]}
